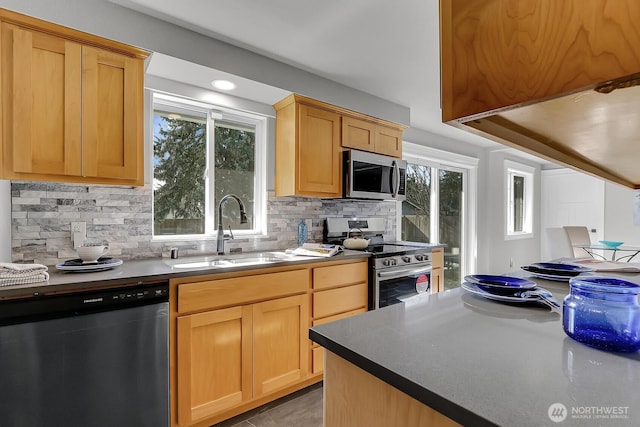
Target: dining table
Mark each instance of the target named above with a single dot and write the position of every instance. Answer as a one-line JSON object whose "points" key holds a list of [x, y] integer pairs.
{"points": [[628, 252]]}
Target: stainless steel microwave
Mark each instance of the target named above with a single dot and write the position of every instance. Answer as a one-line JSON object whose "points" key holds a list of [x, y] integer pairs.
{"points": [[374, 176]]}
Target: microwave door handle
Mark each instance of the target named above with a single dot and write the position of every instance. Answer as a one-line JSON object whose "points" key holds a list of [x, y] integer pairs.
{"points": [[395, 179]]}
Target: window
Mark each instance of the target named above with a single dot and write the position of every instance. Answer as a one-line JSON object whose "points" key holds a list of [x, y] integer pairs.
{"points": [[435, 210], [519, 197], [202, 153]]}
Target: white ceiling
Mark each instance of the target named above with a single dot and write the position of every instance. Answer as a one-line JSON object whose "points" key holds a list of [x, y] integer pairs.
{"points": [[389, 49]]}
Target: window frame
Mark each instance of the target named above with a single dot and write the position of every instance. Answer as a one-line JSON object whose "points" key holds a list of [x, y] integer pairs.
{"points": [[163, 101], [511, 170]]}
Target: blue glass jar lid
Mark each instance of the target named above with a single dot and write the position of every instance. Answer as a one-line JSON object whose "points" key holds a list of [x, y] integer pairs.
{"points": [[604, 284]]}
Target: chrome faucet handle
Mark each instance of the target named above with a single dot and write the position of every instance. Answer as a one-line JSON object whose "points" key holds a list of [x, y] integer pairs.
{"points": [[229, 236]]}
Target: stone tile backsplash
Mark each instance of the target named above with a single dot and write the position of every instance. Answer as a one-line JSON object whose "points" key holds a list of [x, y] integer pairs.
{"points": [[122, 217]]}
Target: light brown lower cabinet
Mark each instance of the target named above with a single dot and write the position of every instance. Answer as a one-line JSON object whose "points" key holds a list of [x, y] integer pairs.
{"points": [[280, 329], [214, 363], [339, 291], [233, 355], [437, 264], [239, 341]]}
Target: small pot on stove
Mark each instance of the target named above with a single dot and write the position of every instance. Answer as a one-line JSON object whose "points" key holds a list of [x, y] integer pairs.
{"points": [[356, 242]]}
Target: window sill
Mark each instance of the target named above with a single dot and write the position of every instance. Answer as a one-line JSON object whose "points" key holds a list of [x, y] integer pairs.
{"points": [[518, 236], [206, 237]]}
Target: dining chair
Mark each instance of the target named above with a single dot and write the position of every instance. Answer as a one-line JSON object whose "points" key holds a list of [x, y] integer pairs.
{"points": [[578, 235], [558, 243]]}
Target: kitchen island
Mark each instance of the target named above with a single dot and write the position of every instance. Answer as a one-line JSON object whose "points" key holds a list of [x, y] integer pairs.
{"points": [[454, 357]]}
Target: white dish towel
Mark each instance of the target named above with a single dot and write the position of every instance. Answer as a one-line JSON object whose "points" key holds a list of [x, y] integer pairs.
{"points": [[22, 274]]}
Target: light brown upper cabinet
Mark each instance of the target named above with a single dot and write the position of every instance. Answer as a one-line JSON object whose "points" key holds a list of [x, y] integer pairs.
{"points": [[308, 159], [368, 136], [71, 105], [310, 138], [557, 79]]}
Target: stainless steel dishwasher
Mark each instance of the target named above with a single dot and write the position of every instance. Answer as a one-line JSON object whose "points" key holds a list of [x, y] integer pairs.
{"points": [[86, 358]]}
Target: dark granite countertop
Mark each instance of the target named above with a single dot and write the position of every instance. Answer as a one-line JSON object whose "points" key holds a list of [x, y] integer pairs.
{"points": [[149, 271], [482, 362]]}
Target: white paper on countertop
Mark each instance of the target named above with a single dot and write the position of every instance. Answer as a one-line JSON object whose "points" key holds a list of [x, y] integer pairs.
{"points": [[317, 249]]}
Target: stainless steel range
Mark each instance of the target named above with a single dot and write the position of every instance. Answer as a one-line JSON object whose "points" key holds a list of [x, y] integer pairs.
{"points": [[398, 270]]}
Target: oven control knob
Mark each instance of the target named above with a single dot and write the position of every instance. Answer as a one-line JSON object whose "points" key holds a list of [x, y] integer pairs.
{"points": [[419, 257], [406, 259], [386, 262]]}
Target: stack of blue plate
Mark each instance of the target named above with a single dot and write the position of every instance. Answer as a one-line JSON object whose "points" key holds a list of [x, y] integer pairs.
{"points": [[555, 270], [508, 289]]}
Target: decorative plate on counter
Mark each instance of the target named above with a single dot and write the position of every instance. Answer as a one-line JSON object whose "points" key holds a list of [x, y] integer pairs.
{"points": [[502, 285], [79, 266], [474, 289], [555, 271]]}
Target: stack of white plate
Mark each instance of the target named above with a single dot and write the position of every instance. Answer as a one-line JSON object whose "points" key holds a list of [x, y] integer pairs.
{"points": [[79, 266]]}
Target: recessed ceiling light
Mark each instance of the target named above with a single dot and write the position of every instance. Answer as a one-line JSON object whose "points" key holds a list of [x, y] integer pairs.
{"points": [[223, 84]]}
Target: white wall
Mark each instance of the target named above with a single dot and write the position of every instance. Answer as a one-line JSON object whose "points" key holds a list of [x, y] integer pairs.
{"points": [[570, 197], [615, 222], [618, 214], [496, 255]]}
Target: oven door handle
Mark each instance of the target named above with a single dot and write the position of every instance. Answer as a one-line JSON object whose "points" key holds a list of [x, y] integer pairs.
{"points": [[394, 274]]}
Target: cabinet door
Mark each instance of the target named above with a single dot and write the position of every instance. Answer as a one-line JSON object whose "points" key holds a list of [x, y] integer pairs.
{"points": [[358, 134], [213, 362], [280, 344], [319, 166], [40, 103], [388, 141], [111, 128]]}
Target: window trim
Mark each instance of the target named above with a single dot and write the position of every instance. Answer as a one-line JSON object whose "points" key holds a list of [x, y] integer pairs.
{"points": [[511, 170], [212, 113]]}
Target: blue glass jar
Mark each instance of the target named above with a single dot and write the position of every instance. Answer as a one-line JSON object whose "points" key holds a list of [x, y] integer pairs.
{"points": [[603, 312]]}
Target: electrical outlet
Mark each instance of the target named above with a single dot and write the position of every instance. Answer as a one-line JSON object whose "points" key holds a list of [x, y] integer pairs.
{"points": [[510, 262], [79, 227], [78, 233]]}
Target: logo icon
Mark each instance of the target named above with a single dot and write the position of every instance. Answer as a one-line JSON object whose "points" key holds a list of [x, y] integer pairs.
{"points": [[557, 412]]}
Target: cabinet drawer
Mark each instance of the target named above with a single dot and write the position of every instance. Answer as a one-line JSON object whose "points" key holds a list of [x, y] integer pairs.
{"points": [[317, 352], [339, 275], [240, 290], [339, 316], [339, 300]]}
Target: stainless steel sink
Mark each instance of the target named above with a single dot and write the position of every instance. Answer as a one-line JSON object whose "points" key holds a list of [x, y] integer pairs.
{"points": [[234, 260]]}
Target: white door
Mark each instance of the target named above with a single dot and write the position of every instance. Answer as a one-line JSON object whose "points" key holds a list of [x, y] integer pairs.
{"points": [[571, 198]]}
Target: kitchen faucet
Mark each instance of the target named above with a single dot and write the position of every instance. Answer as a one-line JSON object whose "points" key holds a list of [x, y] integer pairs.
{"points": [[220, 237]]}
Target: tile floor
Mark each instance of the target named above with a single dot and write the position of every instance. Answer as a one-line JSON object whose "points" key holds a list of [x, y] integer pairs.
{"points": [[300, 409]]}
